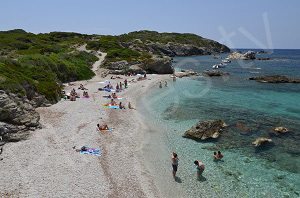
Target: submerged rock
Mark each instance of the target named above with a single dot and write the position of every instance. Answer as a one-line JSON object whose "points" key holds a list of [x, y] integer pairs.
{"points": [[212, 73], [259, 141], [275, 79], [205, 129]]}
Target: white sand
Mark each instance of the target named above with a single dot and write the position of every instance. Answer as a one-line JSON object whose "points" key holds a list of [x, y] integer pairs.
{"points": [[46, 165]]}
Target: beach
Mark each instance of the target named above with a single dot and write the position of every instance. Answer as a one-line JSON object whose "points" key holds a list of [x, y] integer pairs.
{"points": [[47, 164]]}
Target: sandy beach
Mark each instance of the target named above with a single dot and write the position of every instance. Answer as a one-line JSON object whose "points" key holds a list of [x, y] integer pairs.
{"points": [[47, 164]]}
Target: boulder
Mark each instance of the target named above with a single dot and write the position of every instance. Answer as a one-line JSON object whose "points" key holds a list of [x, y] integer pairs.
{"points": [[280, 130], [213, 73], [159, 65], [250, 55], [16, 115], [275, 79], [118, 65], [205, 129], [261, 140], [136, 69], [186, 73]]}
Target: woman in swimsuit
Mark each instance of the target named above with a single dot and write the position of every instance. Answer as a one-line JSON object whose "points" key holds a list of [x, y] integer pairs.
{"points": [[199, 167], [174, 163]]}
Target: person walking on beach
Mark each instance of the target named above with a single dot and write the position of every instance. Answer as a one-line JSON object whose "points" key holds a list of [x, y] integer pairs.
{"points": [[174, 163], [160, 85], [166, 83], [125, 82], [199, 167]]}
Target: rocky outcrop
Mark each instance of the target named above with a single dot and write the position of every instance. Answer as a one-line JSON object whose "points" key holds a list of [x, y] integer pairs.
{"points": [[280, 130], [205, 129], [136, 69], [275, 79], [159, 65], [213, 73], [260, 141], [118, 65], [186, 73], [176, 49], [18, 115], [250, 55]]}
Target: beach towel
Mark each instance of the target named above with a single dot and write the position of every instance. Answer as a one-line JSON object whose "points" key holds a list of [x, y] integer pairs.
{"points": [[85, 96], [92, 151], [114, 107]]}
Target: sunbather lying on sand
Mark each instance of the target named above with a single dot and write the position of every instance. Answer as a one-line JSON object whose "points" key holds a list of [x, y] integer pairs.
{"points": [[102, 127], [85, 94], [81, 87], [121, 106], [112, 102]]}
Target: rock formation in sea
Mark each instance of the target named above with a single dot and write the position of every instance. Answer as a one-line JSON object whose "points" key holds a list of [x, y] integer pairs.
{"points": [[250, 55], [213, 73], [275, 79], [205, 130], [260, 141]]}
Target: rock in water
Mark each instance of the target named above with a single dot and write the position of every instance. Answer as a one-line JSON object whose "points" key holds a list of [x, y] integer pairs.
{"points": [[275, 79], [212, 73], [250, 55], [205, 129], [259, 141], [280, 130]]}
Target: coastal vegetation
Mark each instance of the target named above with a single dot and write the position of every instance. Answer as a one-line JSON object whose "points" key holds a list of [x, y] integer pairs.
{"points": [[42, 61]]}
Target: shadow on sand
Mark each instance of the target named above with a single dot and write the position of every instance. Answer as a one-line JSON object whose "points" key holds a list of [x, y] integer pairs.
{"points": [[201, 178], [178, 180]]}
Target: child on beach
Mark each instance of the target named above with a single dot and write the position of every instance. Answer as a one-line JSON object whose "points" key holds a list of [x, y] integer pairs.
{"points": [[174, 163], [160, 85], [199, 167]]}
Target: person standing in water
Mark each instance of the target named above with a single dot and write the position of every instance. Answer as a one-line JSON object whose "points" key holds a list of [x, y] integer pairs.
{"points": [[174, 163], [199, 167], [160, 85], [174, 79]]}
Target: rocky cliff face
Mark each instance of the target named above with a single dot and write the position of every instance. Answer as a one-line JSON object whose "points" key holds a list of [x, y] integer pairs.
{"points": [[18, 115], [176, 49]]}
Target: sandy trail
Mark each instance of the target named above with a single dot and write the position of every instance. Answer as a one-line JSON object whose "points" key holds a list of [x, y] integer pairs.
{"points": [[47, 165]]}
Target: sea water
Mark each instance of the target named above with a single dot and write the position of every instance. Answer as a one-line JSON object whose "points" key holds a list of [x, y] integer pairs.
{"points": [[251, 109]]}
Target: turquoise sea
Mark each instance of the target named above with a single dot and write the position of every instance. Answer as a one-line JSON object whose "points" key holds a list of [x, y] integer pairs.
{"points": [[251, 110]]}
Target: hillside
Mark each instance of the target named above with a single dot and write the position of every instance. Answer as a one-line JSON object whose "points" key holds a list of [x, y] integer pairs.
{"points": [[34, 66], [142, 48]]}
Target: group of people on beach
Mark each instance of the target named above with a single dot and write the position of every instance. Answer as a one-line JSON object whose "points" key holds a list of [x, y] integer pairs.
{"points": [[199, 165]]}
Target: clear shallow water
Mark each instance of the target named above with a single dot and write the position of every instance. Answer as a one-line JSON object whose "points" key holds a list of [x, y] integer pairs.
{"points": [[251, 109]]}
